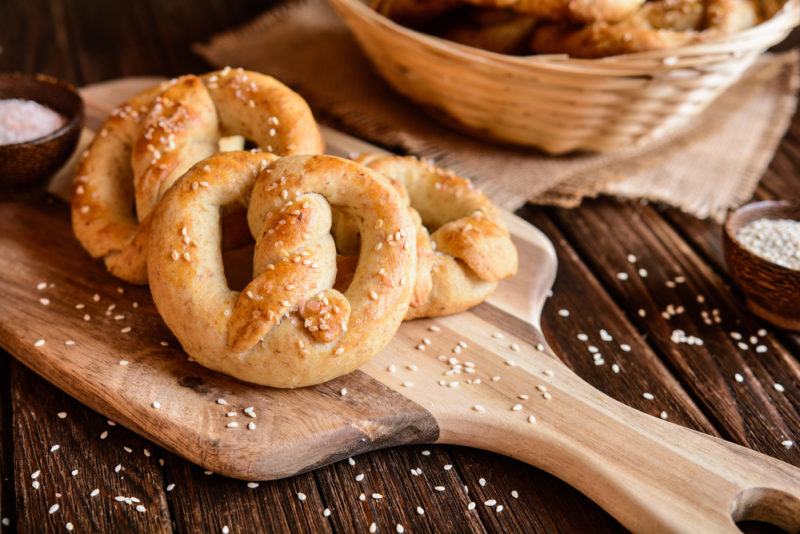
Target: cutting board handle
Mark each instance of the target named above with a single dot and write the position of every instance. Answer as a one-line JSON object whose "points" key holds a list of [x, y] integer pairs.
{"points": [[651, 475]]}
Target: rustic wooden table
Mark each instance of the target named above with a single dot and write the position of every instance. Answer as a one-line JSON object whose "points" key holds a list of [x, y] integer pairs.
{"points": [[87, 41]]}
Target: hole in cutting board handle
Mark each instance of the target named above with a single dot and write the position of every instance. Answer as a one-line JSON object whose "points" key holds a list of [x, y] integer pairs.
{"points": [[768, 506]]}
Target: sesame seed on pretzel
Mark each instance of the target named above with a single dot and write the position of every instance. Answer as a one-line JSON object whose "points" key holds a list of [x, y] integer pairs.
{"points": [[148, 143], [468, 250], [288, 327]]}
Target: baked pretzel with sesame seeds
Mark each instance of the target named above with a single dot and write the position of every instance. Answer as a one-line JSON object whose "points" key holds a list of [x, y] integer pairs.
{"points": [[468, 251], [421, 11], [149, 142], [288, 327], [658, 25]]}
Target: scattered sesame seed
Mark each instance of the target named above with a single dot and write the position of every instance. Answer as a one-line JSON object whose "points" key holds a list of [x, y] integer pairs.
{"points": [[478, 408], [301, 496], [55, 447], [439, 488], [53, 509], [471, 506], [123, 362], [663, 415], [787, 443], [252, 485], [170, 487], [232, 424], [39, 343], [222, 402], [563, 312], [156, 405], [531, 418], [648, 396], [326, 512], [251, 426], [420, 510], [779, 388], [62, 415]]}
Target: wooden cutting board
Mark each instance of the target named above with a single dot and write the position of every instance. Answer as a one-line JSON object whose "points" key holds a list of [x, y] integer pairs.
{"points": [[484, 378]]}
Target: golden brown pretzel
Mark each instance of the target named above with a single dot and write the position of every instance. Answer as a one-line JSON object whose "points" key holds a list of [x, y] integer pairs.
{"points": [[419, 11], [658, 25], [469, 249], [501, 31], [288, 327], [149, 142]]}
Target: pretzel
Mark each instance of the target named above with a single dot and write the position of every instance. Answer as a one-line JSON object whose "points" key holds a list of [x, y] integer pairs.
{"points": [[149, 142], [504, 32], [469, 250], [288, 328], [657, 25], [420, 11]]}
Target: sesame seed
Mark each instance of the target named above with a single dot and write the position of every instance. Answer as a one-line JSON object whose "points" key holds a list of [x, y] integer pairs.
{"points": [[514, 347], [420, 510], [53, 509], [232, 424], [482, 481], [44, 301], [55, 447], [531, 418], [779, 388], [663, 415], [156, 405], [478, 408], [516, 407], [251, 426], [222, 401], [326, 512], [62, 415], [95, 492], [563, 312], [738, 377], [39, 343], [648, 396], [252, 485], [439, 488], [377, 496], [301, 496], [123, 362], [36, 474], [787, 443], [343, 392], [471, 506]]}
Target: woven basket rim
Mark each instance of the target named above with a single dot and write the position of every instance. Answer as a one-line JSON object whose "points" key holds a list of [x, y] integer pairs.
{"points": [[767, 33]]}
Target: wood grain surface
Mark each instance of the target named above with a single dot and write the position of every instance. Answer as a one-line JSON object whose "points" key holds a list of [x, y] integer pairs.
{"points": [[85, 41]]}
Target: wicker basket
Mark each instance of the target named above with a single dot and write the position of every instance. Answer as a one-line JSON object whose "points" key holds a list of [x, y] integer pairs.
{"points": [[556, 103]]}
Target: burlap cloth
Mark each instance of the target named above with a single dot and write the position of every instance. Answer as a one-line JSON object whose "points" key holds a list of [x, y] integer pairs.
{"points": [[709, 167]]}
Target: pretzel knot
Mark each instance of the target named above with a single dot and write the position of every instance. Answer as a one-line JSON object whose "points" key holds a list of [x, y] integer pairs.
{"points": [[288, 327], [149, 142], [468, 251]]}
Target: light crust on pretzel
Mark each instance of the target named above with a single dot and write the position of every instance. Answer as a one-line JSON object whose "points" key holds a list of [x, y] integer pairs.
{"points": [[288, 328], [658, 25], [149, 142], [420, 11], [468, 250], [501, 31]]}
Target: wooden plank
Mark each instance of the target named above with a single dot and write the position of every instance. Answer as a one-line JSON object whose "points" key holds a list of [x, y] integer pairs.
{"points": [[199, 20], [388, 473], [49, 447], [753, 412], [112, 39], [7, 504], [33, 38], [209, 502]]}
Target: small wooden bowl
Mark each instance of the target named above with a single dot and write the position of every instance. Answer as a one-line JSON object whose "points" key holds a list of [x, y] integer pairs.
{"points": [[30, 163], [772, 291]]}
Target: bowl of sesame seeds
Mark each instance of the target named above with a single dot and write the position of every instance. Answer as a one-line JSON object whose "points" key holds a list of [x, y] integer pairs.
{"points": [[40, 122], [761, 242]]}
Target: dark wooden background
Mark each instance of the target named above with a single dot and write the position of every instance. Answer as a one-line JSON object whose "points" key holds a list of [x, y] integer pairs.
{"points": [[92, 40]]}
